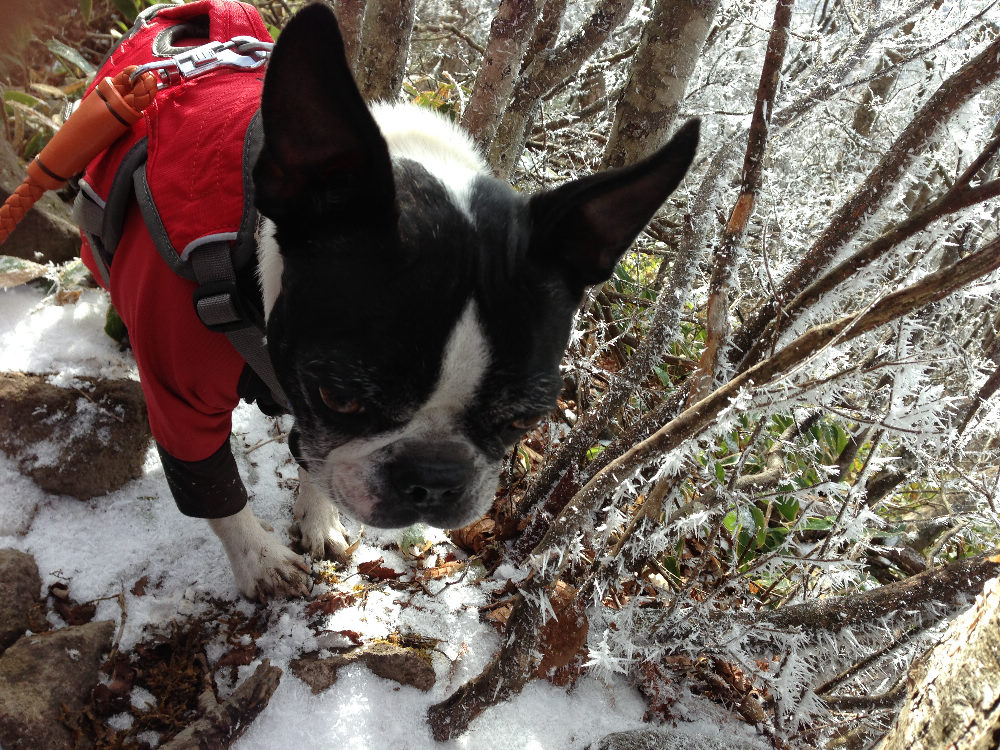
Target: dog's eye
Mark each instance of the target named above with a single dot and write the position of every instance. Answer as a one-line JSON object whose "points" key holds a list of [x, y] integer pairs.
{"points": [[341, 406]]}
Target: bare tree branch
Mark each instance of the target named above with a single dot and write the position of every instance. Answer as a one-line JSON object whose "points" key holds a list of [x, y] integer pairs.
{"points": [[545, 72], [546, 30], [222, 724]]}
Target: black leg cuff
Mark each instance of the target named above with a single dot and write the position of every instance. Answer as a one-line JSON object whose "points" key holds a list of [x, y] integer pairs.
{"points": [[210, 488]]}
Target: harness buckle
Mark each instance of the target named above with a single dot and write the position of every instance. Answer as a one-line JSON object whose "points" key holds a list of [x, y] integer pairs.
{"points": [[220, 308], [243, 52]]}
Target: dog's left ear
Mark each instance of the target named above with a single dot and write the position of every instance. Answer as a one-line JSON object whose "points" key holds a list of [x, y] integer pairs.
{"points": [[322, 152], [586, 225]]}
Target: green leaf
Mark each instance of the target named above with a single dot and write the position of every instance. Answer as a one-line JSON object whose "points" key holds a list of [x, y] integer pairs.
{"points": [[819, 524], [114, 326], [789, 509], [74, 275], [71, 57], [731, 521], [841, 438], [720, 472], [86, 9], [662, 374], [37, 142], [127, 8], [775, 537], [11, 95], [622, 274]]}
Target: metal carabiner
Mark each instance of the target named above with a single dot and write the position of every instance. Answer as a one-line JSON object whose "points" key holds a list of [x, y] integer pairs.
{"points": [[244, 52]]}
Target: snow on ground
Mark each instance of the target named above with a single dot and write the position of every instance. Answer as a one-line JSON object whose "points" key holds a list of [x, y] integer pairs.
{"points": [[104, 546]]}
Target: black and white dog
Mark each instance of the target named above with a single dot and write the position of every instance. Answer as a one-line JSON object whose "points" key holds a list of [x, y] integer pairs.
{"points": [[417, 307]]}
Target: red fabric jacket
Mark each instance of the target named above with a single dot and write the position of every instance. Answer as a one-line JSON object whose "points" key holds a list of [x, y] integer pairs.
{"points": [[195, 176]]}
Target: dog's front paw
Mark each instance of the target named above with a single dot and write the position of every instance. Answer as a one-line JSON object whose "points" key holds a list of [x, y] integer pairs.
{"points": [[318, 523], [264, 567], [323, 538]]}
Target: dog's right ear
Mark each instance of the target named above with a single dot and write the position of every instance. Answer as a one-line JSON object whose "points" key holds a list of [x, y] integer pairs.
{"points": [[323, 156], [585, 226]]}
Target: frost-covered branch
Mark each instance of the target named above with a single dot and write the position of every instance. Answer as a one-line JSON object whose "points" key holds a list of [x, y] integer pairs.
{"points": [[959, 196], [958, 89], [500, 678], [663, 322], [724, 261], [694, 418]]}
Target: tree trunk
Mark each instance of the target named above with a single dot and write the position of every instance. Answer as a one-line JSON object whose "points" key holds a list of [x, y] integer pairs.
{"points": [[544, 73], [953, 699], [350, 16], [385, 42], [546, 30], [671, 43], [509, 34]]}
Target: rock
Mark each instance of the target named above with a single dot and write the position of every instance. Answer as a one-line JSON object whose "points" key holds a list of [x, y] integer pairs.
{"points": [[318, 672], [82, 441], [667, 739], [47, 232], [407, 666], [20, 589], [43, 676]]}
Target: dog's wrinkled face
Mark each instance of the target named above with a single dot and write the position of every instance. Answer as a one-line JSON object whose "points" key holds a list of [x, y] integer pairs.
{"points": [[417, 349], [423, 306]]}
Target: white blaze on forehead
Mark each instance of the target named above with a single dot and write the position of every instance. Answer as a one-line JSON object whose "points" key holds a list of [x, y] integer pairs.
{"points": [[464, 362], [436, 143]]}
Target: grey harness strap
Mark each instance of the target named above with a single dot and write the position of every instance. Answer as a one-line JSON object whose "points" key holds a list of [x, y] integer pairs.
{"points": [[217, 303]]}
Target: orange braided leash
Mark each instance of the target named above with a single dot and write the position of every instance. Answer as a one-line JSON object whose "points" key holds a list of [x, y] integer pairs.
{"points": [[17, 205], [101, 119]]}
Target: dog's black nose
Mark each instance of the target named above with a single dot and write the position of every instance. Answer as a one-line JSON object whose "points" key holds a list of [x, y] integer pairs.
{"points": [[427, 477]]}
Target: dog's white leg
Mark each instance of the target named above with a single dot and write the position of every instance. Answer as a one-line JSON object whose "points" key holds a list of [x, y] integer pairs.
{"points": [[264, 567], [323, 536]]}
